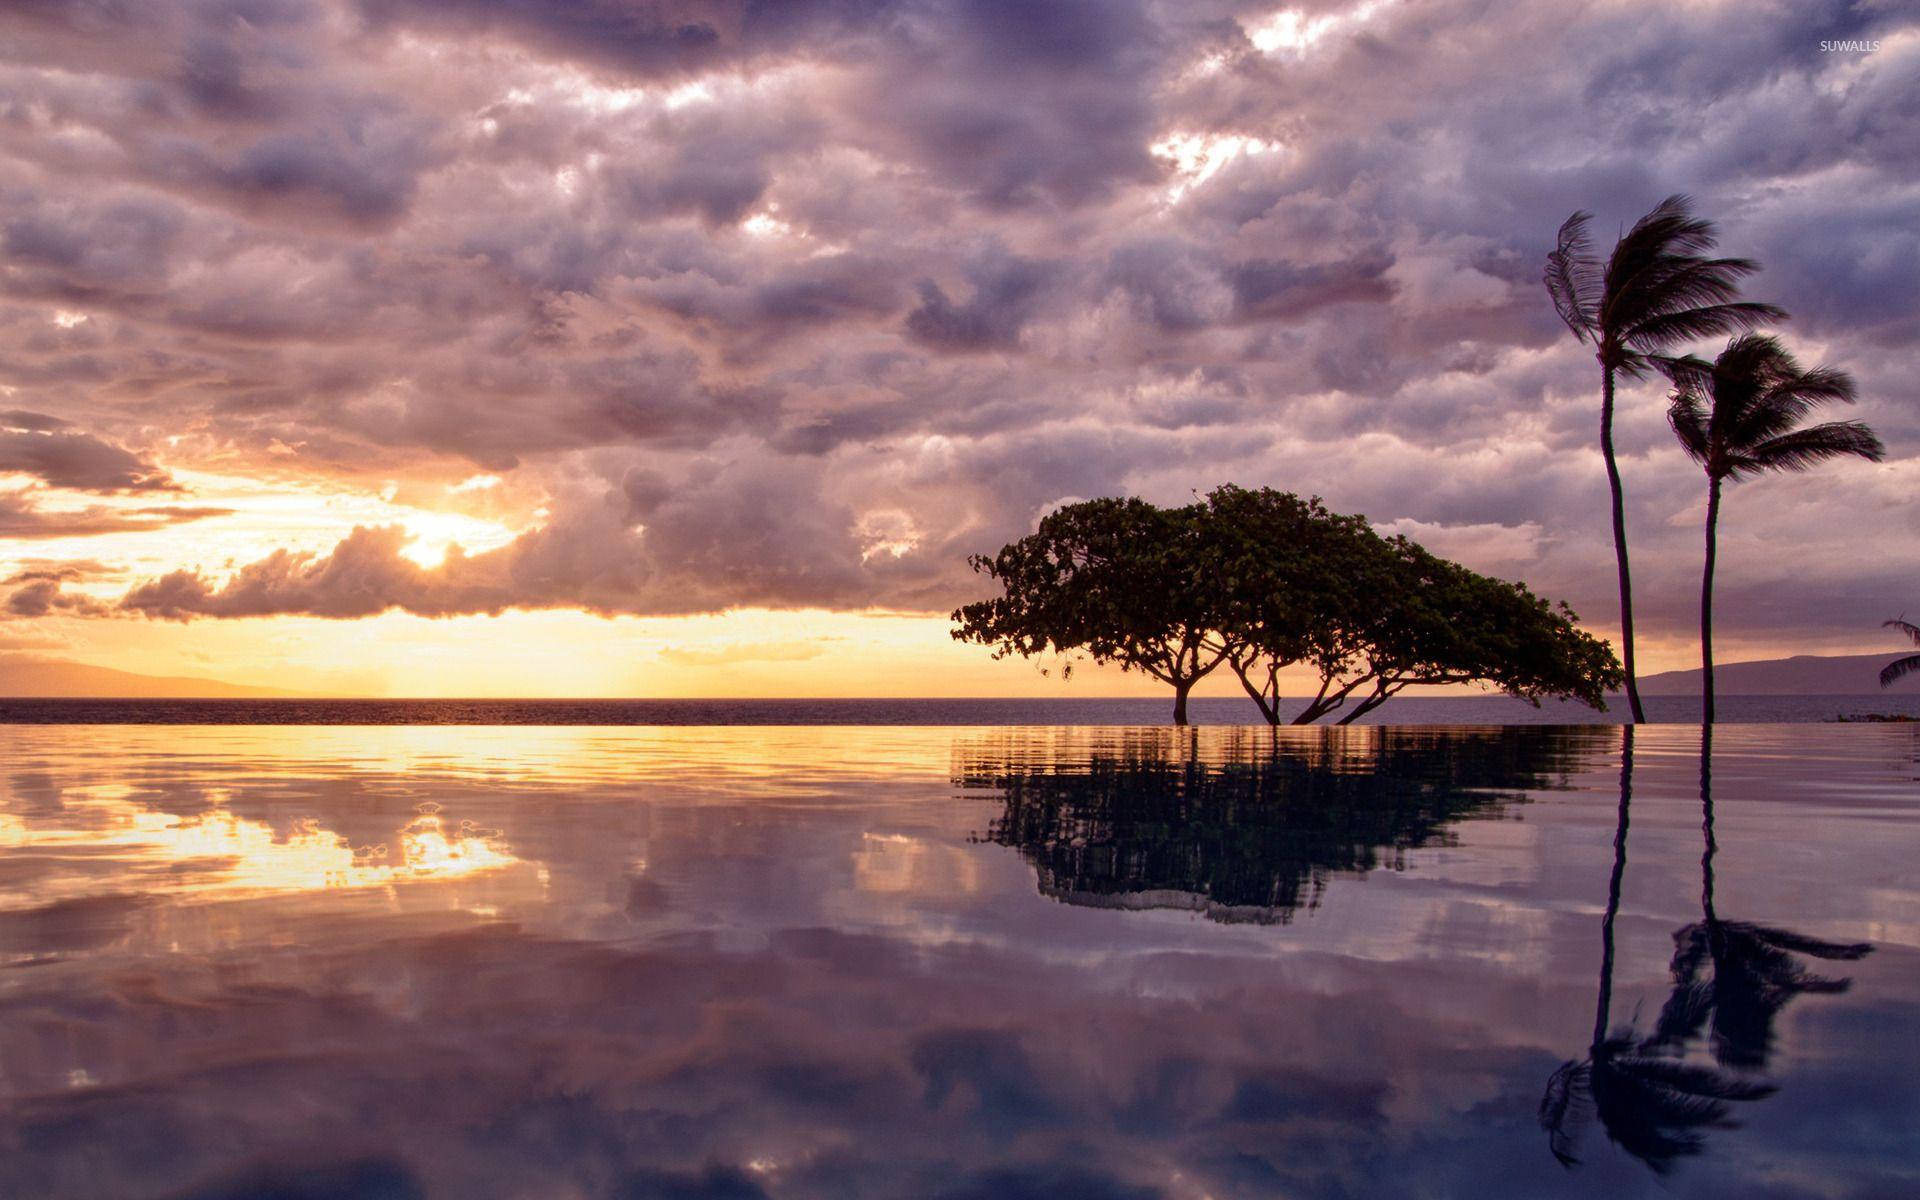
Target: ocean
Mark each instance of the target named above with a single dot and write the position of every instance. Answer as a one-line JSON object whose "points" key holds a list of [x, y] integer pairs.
{"points": [[834, 963], [1145, 710]]}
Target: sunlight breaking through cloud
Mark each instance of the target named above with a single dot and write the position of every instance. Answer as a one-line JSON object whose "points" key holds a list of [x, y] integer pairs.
{"points": [[1294, 32], [1198, 157]]}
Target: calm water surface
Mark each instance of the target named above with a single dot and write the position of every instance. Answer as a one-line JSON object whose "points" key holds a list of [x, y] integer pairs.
{"points": [[956, 962]]}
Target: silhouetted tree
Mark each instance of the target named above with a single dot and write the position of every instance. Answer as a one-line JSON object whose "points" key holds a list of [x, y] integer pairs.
{"points": [[1656, 290], [1262, 580], [1435, 622], [1294, 582], [1900, 667], [1737, 418], [1112, 579]]}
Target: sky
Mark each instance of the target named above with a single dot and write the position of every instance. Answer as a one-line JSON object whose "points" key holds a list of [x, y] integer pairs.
{"points": [[500, 347]]}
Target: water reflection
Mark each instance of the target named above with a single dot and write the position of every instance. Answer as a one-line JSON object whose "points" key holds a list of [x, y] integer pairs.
{"points": [[1651, 1093], [87, 864], [211, 847], [1252, 830], [785, 963], [1732, 978]]}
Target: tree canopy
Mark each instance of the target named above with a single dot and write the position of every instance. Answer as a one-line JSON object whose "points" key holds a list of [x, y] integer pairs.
{"points": [[1116, 580], [1263, 580]]}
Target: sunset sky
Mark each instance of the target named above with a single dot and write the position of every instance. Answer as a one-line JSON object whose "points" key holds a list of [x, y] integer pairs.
{"points": [[612, 347]]}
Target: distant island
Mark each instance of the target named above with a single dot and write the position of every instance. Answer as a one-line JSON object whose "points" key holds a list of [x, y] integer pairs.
{"points": [[1801, 675], [57, 677]]}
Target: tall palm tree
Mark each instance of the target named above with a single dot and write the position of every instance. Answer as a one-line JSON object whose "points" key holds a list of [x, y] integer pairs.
{"points": [[1656, 290], [1736, 417], [1900, 667]]}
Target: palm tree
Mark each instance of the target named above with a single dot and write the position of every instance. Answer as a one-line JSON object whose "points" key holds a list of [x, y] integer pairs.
{"points": [[1901, 666], [1656, 290], [1737, 417]]}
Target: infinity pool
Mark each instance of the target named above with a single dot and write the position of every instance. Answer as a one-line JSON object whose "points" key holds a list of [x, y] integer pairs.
{"points": [[1075, 963]]}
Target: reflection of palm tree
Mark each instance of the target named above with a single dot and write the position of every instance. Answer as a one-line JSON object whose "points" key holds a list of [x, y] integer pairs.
{"points": [[1736, 417], [1651, 1104], [1732, 977]]}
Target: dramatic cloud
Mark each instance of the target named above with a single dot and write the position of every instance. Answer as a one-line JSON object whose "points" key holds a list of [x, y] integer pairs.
{"points": [[36, 591], [799, 304], [20, 517], [44, 446]]}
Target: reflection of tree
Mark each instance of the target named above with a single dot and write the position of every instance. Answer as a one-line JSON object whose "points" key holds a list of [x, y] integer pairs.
{"points": [[1653, 1103], [1251, 833]]}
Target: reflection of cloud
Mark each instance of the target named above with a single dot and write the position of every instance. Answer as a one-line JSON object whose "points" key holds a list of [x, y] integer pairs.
{"points": [[729, 982], [894, 862], [219, 854]]}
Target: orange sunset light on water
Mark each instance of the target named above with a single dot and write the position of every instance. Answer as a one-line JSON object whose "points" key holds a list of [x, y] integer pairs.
{"points": [[219, 855]]}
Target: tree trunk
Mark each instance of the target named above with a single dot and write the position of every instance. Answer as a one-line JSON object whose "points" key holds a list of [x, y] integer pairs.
{"points": [[1180, 689], [1381, 694], [1619, 542], [1706, 603], [1269, 707]]}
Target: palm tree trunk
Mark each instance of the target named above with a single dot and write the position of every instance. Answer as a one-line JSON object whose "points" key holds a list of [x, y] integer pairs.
{"points": [[1706, 602], [1619, 543]]}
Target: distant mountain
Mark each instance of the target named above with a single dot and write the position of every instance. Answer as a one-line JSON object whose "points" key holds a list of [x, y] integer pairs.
{"points": [[1801, 675], [54, 677]]}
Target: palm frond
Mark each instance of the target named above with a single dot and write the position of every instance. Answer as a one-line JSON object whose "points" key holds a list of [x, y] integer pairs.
{"points": [[1690, 324], [1687, 413], [1812, 947], [1688, 281], [1738, 417], [1760, 392], [1668, 228], [1685, 1013], [1562, 1107], [1685, 1087], [1899, 668], [1687, 371], [1906, 627], [1573, 276], [1821, 385], [1658, 267], [1759, 358], [1805, 448]]}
